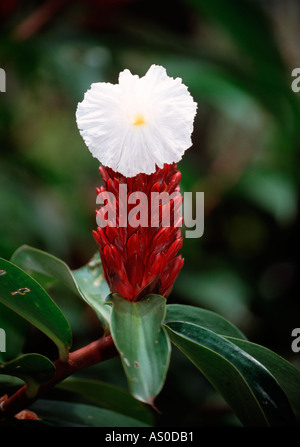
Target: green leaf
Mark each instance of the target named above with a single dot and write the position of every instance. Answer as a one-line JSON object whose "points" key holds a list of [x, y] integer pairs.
{"points": [[286, 374], [14, 328], [87, 282], [247, 386], [141, 340], [201, 317], [22, 294], [94, 289], [67, 414], [108, 396], [9, 381], [34, 369]]}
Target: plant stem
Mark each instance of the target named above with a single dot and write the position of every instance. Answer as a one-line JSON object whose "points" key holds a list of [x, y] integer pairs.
{"points": [[96, 352]]}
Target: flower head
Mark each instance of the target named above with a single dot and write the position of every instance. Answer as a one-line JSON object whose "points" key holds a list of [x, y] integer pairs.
{"points": [[138, 260], [138, 124], [139, 129]]}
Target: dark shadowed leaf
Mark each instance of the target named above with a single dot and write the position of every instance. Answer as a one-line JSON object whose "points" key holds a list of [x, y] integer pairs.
{"points": [[67, 414], [34, 369], [248, 387], [286, 374], [202, 317], [108, 396]]}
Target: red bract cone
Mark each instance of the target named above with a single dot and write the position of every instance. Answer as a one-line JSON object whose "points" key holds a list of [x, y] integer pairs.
{"points": [[143, 259]]}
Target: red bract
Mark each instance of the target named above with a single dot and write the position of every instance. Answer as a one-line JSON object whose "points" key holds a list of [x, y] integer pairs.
{"points": [[138, 260]]}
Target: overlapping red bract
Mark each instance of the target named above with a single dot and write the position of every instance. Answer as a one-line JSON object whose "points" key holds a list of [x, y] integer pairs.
{"points": [[141, 260]]}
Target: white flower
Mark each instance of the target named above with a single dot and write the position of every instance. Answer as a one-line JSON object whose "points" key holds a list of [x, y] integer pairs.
{"points": [[139, 123]]}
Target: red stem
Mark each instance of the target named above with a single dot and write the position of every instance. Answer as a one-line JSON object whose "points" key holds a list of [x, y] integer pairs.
{"points": [[96, 352]]}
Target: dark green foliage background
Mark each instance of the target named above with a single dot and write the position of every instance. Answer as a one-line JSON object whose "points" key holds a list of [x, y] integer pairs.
{"points": [[237, 61]]}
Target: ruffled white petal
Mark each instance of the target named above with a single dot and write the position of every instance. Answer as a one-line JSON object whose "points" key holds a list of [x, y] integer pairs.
{"points": [[139, 123]]}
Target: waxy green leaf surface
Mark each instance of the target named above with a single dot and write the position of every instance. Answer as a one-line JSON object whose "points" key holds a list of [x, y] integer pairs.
{"points": [[86, 282], [202, 317], [15, 329], [142, 342], [286, 374], [248, 387]]}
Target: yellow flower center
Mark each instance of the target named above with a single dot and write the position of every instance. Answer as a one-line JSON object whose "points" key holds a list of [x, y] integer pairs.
{"points": [[139, 120]]}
